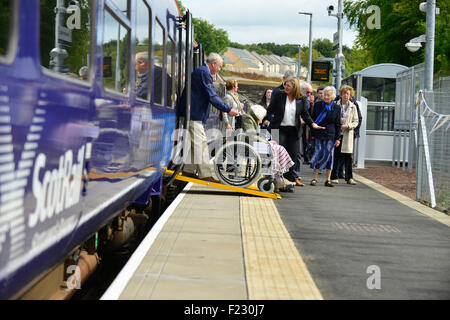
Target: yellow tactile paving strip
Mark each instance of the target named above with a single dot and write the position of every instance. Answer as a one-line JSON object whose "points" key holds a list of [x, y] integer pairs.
{"points": [[274, 268], [433, 214]]}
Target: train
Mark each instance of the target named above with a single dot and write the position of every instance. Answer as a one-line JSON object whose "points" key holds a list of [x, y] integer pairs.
{"points": [[81, 153]]}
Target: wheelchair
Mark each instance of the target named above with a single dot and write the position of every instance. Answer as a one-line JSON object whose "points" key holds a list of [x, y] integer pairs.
{"points": [[242, 159]]}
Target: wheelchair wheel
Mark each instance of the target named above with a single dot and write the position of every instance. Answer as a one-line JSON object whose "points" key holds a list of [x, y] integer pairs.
{"points": [[237, 164], [266, 185]]}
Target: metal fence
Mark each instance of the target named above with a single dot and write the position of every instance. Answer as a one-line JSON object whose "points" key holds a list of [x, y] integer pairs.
{"points": [[421, 135], [433, 165]]}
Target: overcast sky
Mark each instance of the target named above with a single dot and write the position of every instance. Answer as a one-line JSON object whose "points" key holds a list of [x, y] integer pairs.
{"points": [[278, 21]]}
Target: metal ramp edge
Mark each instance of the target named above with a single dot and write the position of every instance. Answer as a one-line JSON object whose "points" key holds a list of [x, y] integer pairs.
{"points": [[248, 190]]}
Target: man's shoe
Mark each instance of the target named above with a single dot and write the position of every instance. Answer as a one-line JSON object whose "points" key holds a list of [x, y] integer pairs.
{"points": [[335, 181], [298, 183], [351, 181], [328, 184]]}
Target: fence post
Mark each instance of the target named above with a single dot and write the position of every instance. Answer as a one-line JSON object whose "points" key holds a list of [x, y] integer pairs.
{"points": [[419, 150]]}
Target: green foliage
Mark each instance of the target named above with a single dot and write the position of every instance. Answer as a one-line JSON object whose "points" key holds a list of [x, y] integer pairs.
{"points": [[401, 20], [212, 39], [182, 9], [325, 47], [4, 25]]}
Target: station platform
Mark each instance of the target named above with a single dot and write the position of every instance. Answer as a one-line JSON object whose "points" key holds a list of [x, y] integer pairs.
{"points": [[346, 242]]}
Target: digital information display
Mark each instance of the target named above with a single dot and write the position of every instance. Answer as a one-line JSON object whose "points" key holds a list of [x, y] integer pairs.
{"points": [[320, 71]]}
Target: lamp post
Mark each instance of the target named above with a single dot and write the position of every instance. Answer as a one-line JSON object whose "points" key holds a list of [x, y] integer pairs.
{"points": [[415, 44], [340, 56], [429, 50], [310, 45], [299, 60]]}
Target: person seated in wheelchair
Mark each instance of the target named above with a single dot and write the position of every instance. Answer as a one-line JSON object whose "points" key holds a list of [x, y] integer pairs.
{"points": [[282, 160]]}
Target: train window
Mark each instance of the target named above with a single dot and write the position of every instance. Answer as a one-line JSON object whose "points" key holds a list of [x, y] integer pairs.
{"points": [[67, 50], [158, 53], [171, 73], [115, 54], [5, 14], [142, 49]]}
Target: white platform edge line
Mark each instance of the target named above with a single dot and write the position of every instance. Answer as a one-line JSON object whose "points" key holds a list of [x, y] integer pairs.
{"points": [[118, 285]]}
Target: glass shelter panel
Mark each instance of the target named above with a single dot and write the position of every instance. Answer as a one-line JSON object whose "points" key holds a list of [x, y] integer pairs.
{"points": [[379, 117], [378, 89]]}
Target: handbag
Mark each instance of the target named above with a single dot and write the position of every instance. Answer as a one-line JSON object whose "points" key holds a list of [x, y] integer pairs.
{"points": [[237, 122]]}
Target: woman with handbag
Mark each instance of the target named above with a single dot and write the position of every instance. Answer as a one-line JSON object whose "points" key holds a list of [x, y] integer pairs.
{"points": [[230, 124]]}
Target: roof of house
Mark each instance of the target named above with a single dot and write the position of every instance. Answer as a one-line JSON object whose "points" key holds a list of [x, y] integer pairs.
{"points": [[227, 60], [245, 57]]}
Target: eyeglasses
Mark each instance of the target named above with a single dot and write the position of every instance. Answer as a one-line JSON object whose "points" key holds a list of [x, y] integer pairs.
{"points": [[308, 93]]}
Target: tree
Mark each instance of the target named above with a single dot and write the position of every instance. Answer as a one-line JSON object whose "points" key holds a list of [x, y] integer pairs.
{"points": [[212, 39], [401, 20], [182, 9], [325, 47]]}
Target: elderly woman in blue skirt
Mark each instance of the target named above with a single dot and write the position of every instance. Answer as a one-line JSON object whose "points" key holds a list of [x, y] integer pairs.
{"points": [[326, 114]]}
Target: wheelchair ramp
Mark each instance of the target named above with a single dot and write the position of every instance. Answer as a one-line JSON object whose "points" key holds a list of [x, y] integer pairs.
{"points": [[248, 190]]}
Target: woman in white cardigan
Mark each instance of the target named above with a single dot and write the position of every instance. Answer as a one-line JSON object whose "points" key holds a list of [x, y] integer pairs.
{"points": [[349, 121]]}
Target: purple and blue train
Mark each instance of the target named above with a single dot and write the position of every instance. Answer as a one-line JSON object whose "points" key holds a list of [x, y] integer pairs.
{"points": [[79, 147]]}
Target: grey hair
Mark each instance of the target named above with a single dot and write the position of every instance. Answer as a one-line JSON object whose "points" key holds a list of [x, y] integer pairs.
{"points": [[142, 56], [288, 73], [214, 57], [303, 86], [83, 71], [332, 89]]}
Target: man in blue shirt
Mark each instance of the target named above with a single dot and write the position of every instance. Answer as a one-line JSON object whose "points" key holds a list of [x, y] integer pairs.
{"points": [[203, 93]]}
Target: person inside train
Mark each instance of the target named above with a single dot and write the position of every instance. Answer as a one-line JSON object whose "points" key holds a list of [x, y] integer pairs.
{"points": [[232, 99], [288, 107], [349, 121], [142, 74], [83, 72], [203, 94], [327, 114]]}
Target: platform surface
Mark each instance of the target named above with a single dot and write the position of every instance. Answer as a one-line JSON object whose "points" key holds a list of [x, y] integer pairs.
{"points": [[346, 242]]}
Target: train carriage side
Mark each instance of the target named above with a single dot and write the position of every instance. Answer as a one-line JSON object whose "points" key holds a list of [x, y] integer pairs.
{"points": [[77, 144]]}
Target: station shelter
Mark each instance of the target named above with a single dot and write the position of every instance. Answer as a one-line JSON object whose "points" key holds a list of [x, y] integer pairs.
{"points": [[375, 90]]}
